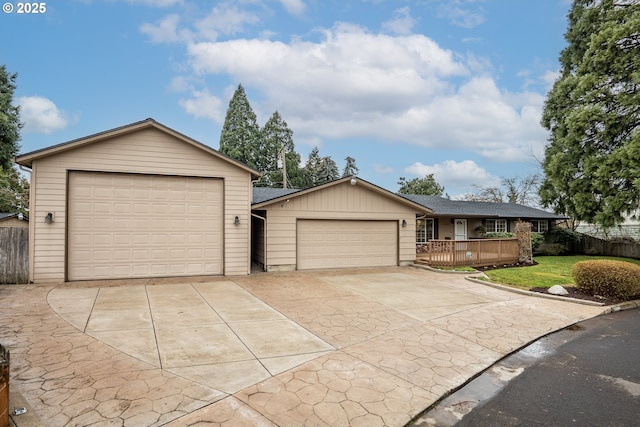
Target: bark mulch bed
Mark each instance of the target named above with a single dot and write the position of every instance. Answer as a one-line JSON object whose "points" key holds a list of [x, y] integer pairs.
{"points": [[577, 294]]}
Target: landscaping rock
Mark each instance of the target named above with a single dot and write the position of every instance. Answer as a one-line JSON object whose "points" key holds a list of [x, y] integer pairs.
{"points": [[558, 290]]}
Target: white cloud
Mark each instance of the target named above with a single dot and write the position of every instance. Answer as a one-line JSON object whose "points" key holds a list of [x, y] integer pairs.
{"points": [[355, 83], [294, 7], [402, 22], [181, 84], [40, 115], [462, 17], [205, 105], [226, 19], [166, 31], [455, 175], [549, 78], [350, 76], [223, 19]]}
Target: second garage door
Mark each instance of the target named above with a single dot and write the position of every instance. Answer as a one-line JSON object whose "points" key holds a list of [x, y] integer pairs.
{"points": [[127, 225], [346, 243]]}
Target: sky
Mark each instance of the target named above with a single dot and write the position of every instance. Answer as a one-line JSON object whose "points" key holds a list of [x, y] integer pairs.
{"points": [[453, 88]]}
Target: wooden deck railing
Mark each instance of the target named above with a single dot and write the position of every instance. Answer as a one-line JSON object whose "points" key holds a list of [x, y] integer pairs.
{"points": [[472, 253]]}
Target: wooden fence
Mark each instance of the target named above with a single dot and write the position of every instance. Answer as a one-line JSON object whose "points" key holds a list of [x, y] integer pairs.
{"points": [[4, 386], [471, 253], [14, 255], [590, 245]]}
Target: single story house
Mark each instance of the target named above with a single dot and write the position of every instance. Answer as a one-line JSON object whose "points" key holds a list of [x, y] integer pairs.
{"points": [[144, 200], [462, 220], [17, 220]]}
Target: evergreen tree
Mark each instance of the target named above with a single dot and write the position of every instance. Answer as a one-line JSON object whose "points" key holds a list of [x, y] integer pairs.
{"points": [[327, 171], [277, 140], [240, 138], [14, 188], [9, 120], [426, 186], [350, 168], [14, 192], [312, 168], [592, 163]]}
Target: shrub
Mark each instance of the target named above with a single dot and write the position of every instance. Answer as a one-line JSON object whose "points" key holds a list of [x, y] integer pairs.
{"points": [[607, 278], [500, 235], [563, 236], [591, 251], [560, 240], [551, 249], [536, 240]]}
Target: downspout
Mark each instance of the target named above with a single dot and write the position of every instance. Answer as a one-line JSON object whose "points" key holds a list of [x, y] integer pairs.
{"points": [[264, 239]]}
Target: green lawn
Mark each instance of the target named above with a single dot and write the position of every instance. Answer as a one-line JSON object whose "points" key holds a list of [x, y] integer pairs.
{"points": [[551, 270]]}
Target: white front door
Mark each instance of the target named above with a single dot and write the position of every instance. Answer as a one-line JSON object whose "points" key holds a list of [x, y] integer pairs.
{"points": [[460, 230]]}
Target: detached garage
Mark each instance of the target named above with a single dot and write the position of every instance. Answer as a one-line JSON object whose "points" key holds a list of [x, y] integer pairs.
{"points": [[345, 223], [139, 201]]}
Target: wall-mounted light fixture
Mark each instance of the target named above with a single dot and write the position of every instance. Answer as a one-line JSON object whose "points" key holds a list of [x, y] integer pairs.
{"points": [[353, 180], [236, 221], [404, 223], [48, 218]]}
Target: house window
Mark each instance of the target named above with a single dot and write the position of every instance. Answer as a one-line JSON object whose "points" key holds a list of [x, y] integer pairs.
{"points": [[539, 226], [496, 225], [424, 230]]}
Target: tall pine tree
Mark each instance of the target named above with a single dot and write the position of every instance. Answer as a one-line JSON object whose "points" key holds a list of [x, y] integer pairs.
{"points": [[327, 171], [14, 188], [277, 140], [350, 168], [240, 138], [9, 120]]}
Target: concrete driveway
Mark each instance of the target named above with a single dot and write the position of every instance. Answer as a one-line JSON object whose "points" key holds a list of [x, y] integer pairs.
{"points": [[327, 348]]}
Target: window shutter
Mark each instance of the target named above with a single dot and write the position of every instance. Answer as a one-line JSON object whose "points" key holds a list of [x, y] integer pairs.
{"points": [[435, 228], [508, 226]]}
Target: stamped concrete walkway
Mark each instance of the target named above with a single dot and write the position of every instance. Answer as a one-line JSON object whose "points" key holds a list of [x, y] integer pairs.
{"points": [[369, 347]]}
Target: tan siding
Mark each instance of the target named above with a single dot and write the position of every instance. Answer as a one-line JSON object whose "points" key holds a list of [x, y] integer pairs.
{"points": [[149, 151], [342, 201]]}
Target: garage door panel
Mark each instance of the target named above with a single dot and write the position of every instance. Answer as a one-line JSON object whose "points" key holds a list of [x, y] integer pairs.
{"points": [[126, 225], [346, 243]]}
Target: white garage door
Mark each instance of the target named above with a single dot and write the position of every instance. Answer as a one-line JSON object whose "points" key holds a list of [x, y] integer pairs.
{"points": [[127, 225], [337, 244]]}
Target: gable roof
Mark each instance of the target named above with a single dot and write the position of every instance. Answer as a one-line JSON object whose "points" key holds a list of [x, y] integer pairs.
{"points": [[263, 196], [28, 158], [447, 207]]}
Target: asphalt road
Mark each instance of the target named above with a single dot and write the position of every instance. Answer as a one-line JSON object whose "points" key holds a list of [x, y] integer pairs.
{"points": [[591, 380]]}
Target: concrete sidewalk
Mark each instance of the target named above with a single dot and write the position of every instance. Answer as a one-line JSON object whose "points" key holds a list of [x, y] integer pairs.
{"points": [[327, 348]]}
